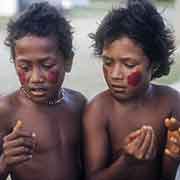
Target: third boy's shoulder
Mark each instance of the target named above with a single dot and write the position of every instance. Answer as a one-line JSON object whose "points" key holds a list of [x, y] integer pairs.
{"points": [[74, 99], [165, 90], [101, 102], [8, 104], [167, 93]]}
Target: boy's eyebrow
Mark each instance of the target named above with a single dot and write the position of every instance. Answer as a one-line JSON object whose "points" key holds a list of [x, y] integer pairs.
{"points": [[106, 57], [40, 58]]}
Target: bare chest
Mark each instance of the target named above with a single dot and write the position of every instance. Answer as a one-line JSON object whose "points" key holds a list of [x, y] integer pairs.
{"points": [[121, 124], [57, 143], [53, 130]]}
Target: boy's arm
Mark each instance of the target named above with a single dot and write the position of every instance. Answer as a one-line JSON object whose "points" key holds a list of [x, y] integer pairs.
{"points": [[171, 156], [3, 171], [171, 160], [4, 119], [81, 151], [97, 147]]}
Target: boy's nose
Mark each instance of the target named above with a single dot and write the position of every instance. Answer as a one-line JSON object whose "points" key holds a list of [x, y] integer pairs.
{"points": [[116, 72], [36, 75]]}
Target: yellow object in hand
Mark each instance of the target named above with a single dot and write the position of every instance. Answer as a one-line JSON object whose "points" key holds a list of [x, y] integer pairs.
{"points": [[18, 125]]}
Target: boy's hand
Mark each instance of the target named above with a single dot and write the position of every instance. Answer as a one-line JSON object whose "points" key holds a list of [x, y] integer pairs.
{"points": [[17, 146], [173, 138], [141, 144]]}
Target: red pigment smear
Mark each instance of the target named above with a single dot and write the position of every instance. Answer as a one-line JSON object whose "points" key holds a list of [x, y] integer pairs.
{"points": [[134, 78], [22, 77], [53, 76]]}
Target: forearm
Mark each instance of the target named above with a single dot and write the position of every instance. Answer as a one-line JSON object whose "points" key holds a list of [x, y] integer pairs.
{"points": [[3, 169], [170, 166], [118, 170]]}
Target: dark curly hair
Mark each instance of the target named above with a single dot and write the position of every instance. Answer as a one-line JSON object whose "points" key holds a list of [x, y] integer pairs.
{"points": [[41, 19], [141, 22]]}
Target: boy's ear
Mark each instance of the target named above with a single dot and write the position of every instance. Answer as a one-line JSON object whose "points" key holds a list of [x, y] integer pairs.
{"points": [[68, 65]]}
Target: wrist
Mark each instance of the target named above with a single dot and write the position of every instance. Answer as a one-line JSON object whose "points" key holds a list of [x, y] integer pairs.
{"points": [[3, 166]]}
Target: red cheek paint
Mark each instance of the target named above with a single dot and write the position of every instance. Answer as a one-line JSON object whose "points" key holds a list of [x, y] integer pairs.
{"points": [[53, 76], [22, 77], [134, 78]]}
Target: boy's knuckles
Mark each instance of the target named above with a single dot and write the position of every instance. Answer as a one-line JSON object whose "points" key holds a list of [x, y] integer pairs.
{"points": [[138, 155], [24, 141], [6, 138], [5, 146]]}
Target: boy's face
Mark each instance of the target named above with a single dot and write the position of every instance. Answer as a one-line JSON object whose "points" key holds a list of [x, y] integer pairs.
{"points": [[126, 68], [40, 66]]}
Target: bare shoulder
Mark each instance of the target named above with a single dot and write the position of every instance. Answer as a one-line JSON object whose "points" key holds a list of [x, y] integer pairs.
{"points": [[167, 92], [169, 96], [7, 109], [74, 99], [97, 109], [101, 101]]}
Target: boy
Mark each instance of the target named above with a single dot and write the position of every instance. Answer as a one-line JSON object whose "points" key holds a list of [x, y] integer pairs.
{"points": [[40, 123], [124, 127]]}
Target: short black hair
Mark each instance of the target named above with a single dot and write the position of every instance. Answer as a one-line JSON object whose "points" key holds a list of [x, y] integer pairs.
{"points": [[43, 20], [141, 22]]}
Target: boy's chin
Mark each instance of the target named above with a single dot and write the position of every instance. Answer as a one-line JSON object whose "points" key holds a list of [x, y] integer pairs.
{"points": [[122, 97], [39, 100]]}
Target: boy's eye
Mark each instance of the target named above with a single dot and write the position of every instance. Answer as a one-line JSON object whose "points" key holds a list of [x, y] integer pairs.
{"points": [[128, 65], [47, 66], [24, 67], [107, 62]]}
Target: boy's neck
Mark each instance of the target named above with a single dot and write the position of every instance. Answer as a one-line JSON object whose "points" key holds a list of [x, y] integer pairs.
{"points": [[140, 99], [57, 99]]}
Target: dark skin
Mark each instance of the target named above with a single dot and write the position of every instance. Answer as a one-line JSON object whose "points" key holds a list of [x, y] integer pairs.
{"points": [[48, 143], [124, 127]]}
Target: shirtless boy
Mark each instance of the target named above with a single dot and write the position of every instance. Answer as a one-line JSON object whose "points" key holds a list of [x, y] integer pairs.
{"points": [[45, 143], [125, 127]]}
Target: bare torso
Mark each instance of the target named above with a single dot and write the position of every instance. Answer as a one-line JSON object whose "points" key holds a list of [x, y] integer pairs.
{"points": [[119, 120], [57, 128], [129, 120]]}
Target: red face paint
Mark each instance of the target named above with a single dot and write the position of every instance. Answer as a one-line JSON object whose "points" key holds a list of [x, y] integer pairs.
{"points": [[53, 76], [134, 78], [22, 77]]}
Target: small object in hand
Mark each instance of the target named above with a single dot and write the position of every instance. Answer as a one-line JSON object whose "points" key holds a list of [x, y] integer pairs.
{"points": [[18, 125], [171, 123]]}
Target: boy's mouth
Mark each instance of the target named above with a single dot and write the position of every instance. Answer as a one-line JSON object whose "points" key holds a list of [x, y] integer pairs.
{"points": [[118, 87], [38, 91]]}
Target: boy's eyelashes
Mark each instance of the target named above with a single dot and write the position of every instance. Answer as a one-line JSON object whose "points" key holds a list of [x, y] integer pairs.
{"points": [[47, 66], [109, 62], [128, 65], [27, 67], [24, 67]]}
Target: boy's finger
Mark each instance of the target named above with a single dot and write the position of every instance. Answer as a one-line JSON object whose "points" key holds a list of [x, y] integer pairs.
{"points": [[19, 159], [134, 145], [172, 124], [147, 141], [151, 152], [26, 142], [18, 151], [133, 136], [16, 134]]}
